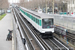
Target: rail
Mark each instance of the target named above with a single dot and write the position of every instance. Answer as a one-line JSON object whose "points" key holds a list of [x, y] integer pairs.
{"points": [[18, 35], [26, 25], [40, 41]]}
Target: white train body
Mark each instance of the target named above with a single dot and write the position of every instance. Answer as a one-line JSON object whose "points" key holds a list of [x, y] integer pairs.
{"points": [[43, 23]]}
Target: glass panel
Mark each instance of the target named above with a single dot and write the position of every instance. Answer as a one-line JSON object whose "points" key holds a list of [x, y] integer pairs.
{"points": [[40, 22], [47, 23]]}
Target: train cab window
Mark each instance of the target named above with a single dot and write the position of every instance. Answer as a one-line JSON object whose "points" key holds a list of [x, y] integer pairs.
{"points": [[47, 23]]}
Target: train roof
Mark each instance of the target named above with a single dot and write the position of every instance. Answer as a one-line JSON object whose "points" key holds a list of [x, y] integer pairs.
{"points": [[38, 15]]}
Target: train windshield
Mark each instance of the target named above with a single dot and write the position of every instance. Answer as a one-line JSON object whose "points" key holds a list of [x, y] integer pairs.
{"points": [[47, 23]]}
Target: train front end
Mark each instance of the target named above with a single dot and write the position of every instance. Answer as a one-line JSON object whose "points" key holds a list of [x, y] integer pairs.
{"points": [[47, 27]]}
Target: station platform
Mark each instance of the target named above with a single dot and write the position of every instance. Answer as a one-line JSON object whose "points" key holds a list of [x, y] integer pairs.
{"points": [[5, 24]]}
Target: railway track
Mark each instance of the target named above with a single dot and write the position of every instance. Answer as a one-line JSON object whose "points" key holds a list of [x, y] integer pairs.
{"points": [[72, 36], [46, 44], [41, 42], [58, 45], [51, 41], [30, 47], [23, 25]]}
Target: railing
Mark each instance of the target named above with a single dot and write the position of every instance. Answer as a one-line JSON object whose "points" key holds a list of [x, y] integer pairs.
{"points": [[66, 21]]}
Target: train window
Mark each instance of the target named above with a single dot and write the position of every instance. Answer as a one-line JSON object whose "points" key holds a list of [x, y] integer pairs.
{"points": [[34, 18], [24, 12], [37, 21], [30, 16], [40, 22], [27, 14], [47, 23]]}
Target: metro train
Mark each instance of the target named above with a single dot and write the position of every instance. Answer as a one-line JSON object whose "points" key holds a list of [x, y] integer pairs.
{"points": [[41, 22]]}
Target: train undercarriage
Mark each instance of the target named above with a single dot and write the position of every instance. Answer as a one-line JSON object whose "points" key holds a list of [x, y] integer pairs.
{"points": [[47, 35]]}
